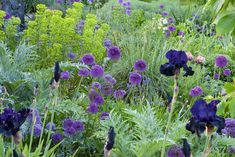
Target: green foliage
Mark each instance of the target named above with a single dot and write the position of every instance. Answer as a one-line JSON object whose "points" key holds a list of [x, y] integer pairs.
{"points": [[55, 35]]}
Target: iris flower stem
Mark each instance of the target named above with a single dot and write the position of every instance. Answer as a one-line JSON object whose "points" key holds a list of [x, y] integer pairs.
{"points": [[43, 126], [32, 131], [175, 94], [12, 145], [207, 146]]}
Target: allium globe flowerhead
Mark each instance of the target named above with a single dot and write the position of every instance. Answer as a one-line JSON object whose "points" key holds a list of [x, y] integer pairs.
{"points": [[204, 117], [97, 71], [227, 72], [135, 78], [229, 129], [114, 53], [84, 72], [93, 108], [96, 85], [67, 123], [104, 115], [109, 79], [140, 65], [216, 76], [221, 61], [37, 130], [181, 33], [171, 28], [71, 55], [165, 14], [175, 151], [161, 6], [95, 97], [196, 91], [70, 131], [51, 125], [88, 59], [177, 60], [106, 89], [107, 43], [119, 94], [78, 126], [65, 75], [56, 137]]}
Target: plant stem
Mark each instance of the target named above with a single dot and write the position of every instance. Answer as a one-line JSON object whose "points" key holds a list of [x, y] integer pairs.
{"points": [[12, 145], [207, 146], [175, 94], [32, 131]]}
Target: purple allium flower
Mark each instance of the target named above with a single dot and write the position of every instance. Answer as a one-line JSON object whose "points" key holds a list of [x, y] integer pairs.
{"points": [[124, 4], [120, 1], [128, 11], [104, 115], [95, 97], [69, 131], [231, 150], [221, 61], [37, 117], [84, 72], [170, 20], [165, 14], [90, 1], [56, 138], [88, 59], [229, 129], [140, 65], [119, 94], [96, 85], [97, 71], [71, 55], [114, 53], [67, 123], [168, 34], [93, 108], [65, 75], [109, 79], [11, 121], [78, 126], [161, 6], [196, 91], [181, 33], [171, 28], [216, 76], [204, 116], [52, 125], [107, 89], [227, 72], [107, 43], [37, 130], [175, 152], [7, 16], [135, 78]]}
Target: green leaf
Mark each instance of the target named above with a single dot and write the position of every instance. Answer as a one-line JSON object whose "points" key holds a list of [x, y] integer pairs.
{"points": [[232, 107], [1, 146], [226, 24], [229, 87]]}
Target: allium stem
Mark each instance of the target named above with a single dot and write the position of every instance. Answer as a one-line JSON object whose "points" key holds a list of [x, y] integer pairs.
{"points": [[206, 150], [172, 105]]}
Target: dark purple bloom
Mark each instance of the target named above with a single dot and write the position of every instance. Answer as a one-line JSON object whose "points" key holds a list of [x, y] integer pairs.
{"points": [[107, 43], [161, 6], [59, 1], [114, 53], [65, 75], [57, 72], [135, 78], [170, 20], [37, 130], [120, 1], [216, 76], [231, 150], [109, 79], [177, 60], [7, 16], [52, 125], [229, 129], [181, 33], [128, 11], [165, 14], [95, 97], [107, 89], [204, 116], [11, 121], [78, 126], [36, 115], [67, 123], [104, 115], [88, 59], [84, 72], [69, 131], [196, 91], [221, 61], [175, 151], [96, 85], [56, 138], [97, 71], [93, 108], [167, 33], [71, 55], [140, 65], [171, 28], [227, 72], [111, 138], [119, 94]]}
